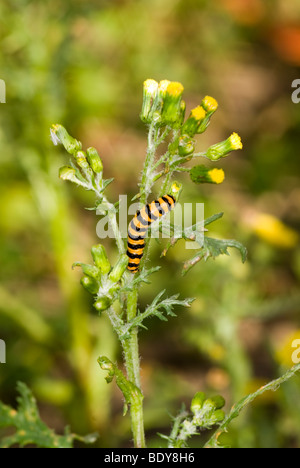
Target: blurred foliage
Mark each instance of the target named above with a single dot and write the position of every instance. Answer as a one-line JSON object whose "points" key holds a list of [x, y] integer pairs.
{"points": [[83, 64]]}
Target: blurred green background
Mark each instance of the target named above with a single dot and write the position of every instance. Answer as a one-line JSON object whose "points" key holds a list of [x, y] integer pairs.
{"points": [[82, 64]]}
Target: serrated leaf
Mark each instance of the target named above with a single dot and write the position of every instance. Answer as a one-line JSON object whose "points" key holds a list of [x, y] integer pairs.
{"points": [[213, 248], [30, 429]]}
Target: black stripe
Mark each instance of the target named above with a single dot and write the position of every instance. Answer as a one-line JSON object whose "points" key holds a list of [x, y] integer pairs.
{"points": [[137, 229], [158, 206], [171, 196], [133, 265], [134, 238], [132, 256], [143, 221], [135, 246], [150, 214], [167, 202]]}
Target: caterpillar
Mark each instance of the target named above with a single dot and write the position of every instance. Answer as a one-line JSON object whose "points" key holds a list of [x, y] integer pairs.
{"points": [[139, 225]]}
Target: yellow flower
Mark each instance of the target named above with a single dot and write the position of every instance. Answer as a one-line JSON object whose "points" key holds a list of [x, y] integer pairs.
{"points": [[236, 141], [175, 89], [275, 232], [210, 104], [288, 352], [217, 175], [198, 113]]}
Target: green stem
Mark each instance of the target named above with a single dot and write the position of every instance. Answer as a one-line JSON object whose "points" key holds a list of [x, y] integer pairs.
{"points": [[132, 362]]}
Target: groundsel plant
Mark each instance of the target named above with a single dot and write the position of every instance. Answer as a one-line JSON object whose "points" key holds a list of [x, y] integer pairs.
{"points": [[116, 288]]}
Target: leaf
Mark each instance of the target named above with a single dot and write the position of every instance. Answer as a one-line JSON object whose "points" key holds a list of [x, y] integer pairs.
{"points": [[30, 429], [132, 394], [159, 308], [244, 402], [212, 248], [192, 233]]}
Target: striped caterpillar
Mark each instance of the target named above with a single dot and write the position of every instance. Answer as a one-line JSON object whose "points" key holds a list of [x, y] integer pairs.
{"points": [[139, 225]]}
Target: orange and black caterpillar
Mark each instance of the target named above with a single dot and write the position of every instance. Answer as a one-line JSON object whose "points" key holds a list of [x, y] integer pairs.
{"points": [[139, 225]]}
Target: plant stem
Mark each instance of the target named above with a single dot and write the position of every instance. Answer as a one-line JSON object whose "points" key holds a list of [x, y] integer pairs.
{"points": [[132, 362]]}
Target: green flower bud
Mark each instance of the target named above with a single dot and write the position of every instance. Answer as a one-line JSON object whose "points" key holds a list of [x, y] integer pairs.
{"points": [[208, 407], [90, 284], [60, 135], [118, 270], [192, 124], [220, 150], [172, 109], [218, 401], [186, 145], [68, 173], [217, 417], [210, 104], [100, 258], [88, 270], [94, 160], [202, 174], [150, 89], [81, 160], [175, 190], [102, 304], [159, 100], [197, 402]]}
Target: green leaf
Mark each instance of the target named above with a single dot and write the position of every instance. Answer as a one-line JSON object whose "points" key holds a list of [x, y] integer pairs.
{"points": [[30, 429], [159, 308], [212, 248]]}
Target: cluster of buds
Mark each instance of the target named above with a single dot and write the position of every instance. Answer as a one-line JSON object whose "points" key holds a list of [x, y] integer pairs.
{"points": [[162, 103], [88, 163], [101, 279], [207, 411]]}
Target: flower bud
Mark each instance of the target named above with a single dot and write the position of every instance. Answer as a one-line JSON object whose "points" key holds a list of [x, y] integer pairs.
{"points": [[102, 304], [210, 104], [197, 402], [202, 174], [172, 108], [192, 124], [90, 284], [220, 150], [150, 89], [100, 258], [68, 173], [186, 145], [118, 270], [60, 135], [218, 401], [81, 160], [94, 160], [88, 270], [159, 100], [217, 416], [175, 190]]}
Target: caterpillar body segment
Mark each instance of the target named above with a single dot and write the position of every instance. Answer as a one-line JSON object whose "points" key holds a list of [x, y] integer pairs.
{"points": [[139, 226]]}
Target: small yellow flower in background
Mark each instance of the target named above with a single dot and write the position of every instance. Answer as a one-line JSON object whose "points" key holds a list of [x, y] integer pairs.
{"points": [[275, 232], [288, 351]]}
